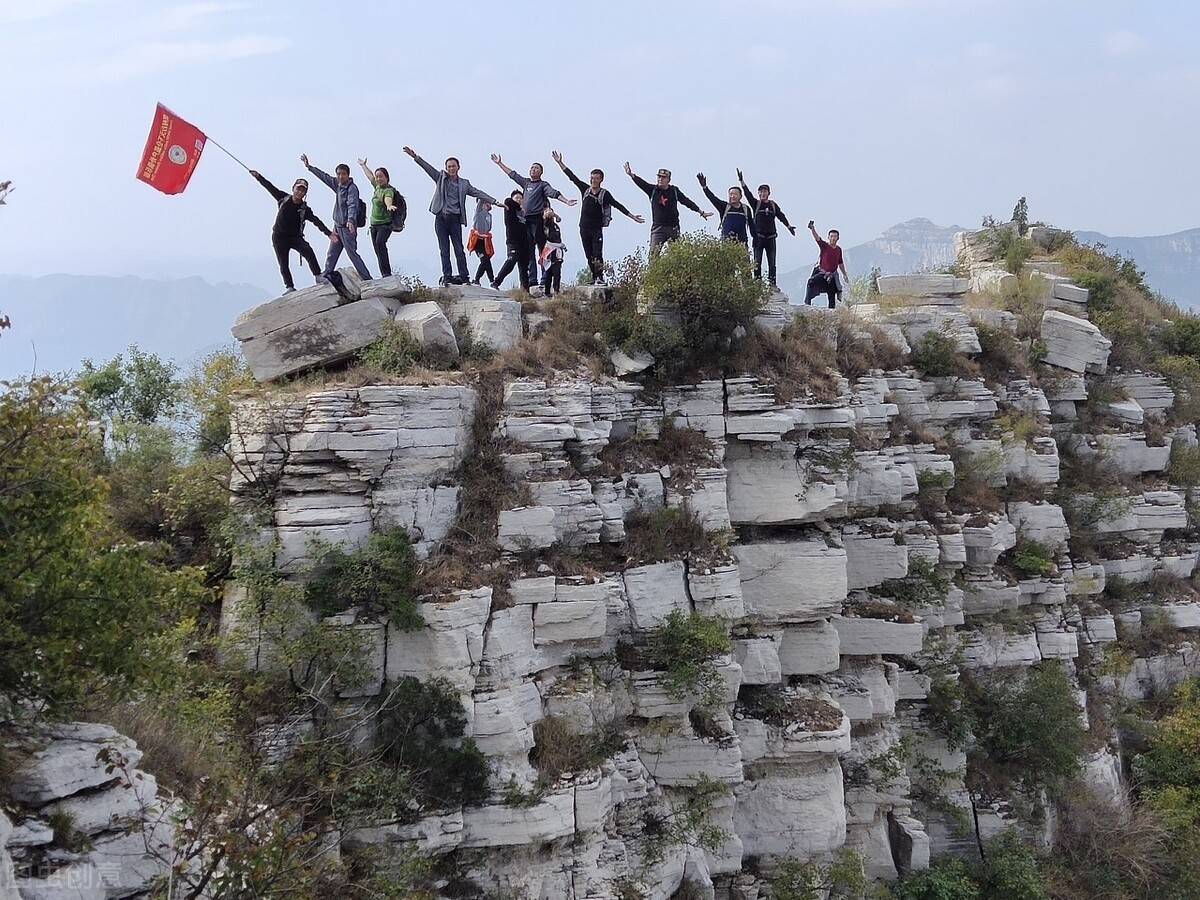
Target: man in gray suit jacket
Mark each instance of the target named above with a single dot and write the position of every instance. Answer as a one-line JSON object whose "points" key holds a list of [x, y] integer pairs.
{"points": [[449, 208]]}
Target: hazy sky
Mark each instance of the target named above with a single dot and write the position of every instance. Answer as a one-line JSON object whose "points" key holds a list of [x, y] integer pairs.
{"points": [[861, 113]]}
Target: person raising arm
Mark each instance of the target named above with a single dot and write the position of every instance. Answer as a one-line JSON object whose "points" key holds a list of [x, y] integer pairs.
{"points": [[594, 215], [824, 277], [665, 199]]}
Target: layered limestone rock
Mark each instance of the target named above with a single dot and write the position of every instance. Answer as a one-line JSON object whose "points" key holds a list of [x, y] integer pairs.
{"points": [[847, 585], [84, 776]]}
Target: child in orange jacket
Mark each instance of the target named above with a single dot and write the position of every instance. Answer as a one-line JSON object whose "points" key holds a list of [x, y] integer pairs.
{"points": [[480, 240]]}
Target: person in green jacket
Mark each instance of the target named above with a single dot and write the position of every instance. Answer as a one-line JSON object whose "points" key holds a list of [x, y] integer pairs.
{"points": [[383, 203]]}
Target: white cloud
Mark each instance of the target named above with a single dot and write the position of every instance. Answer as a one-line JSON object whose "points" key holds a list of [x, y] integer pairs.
{"points": [[15, 12], [189, 15], [1124, 43], [162, 56]]}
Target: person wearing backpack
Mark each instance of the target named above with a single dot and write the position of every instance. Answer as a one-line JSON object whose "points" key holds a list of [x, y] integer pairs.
{"points": [[449, 208], [737, 218], [349, 214], [538, 193], [766, 213], [287, 234], [664, 205], [594, 215], [386, 214]]}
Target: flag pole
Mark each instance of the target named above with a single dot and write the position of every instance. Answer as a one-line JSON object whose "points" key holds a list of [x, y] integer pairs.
{"points": [[227, 153]]}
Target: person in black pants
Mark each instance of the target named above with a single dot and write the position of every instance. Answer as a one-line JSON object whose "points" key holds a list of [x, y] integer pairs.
{"points": [[516, 239], [664, 206], [766, 213], [287, 233], [824, 279], [737, 219], [552, 254], [594, 216]]}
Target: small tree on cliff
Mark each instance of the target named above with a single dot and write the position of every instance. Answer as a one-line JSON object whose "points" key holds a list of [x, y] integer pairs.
{"points": [[709, 284]]}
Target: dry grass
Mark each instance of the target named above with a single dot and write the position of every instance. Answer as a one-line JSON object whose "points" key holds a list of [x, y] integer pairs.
{"points": [[801, 360], [560, 749], [178, 760], [469, 556], [683, 449]]}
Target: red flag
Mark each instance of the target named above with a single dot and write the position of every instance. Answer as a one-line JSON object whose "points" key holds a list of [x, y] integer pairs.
{"points": [[171, 153]]}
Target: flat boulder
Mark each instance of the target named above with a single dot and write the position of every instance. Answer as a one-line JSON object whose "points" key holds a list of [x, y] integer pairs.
{"points": [[427, 323], [309, 328], [1073, 343]]}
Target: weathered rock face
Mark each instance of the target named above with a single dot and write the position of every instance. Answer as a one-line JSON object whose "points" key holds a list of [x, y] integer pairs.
{"points": [[841, 579], [317, 326], [86, 775]]}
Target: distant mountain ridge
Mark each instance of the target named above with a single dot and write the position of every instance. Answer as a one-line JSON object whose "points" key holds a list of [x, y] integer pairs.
{"points": [[60, 320], [1171, 261]]}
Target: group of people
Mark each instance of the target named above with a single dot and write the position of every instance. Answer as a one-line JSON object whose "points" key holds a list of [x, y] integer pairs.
{"points": [[532, 233]]}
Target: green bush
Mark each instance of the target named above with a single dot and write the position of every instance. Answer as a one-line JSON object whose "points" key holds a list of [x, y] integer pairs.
{"points": [[82, 607], [379, 577], [394, 352], [684, 646], [420, 740], [709, 283], [1033, 559], [925, 585], [842, 878], [142, 388], [947, 879], [1027, 726], [1010, 871], [936, 355]]}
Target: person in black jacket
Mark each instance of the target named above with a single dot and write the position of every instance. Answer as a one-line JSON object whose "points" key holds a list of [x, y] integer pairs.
{"points": [[766, 212], [664, 204], [287, 233], [516, 237], [737, 218], [594, 215]]}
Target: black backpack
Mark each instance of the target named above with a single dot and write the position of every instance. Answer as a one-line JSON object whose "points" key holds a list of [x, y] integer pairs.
{"points": [[400, 213], [360, 218]]}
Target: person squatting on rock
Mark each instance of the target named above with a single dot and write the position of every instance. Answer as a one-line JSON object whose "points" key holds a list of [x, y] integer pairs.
{"points": [[383, 206], [479, 241], [552, 254], [824, 276], [449, 208], [664, 207], [538, 194], [594, 216], [766, 213], [287, 233], [737, 218], [347, 207], [516, 239]]}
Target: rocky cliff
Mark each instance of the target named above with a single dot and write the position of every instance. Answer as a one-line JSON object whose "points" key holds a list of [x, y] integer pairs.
{"points": [[719, 626]]}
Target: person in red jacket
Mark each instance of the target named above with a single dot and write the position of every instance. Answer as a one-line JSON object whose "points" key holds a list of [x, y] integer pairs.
{"points": [[824, 277]]}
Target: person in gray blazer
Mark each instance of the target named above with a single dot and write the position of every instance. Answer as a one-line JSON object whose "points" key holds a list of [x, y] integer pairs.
{"points": [[449, 208]]}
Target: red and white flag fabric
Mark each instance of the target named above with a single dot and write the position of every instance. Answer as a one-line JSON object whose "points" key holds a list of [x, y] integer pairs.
{"points": [[172, 152]]}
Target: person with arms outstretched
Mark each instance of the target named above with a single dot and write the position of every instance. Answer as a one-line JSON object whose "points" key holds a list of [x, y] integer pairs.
{"points": [[594, 215], [766, 214], [824, 278], [538, 194], [737, 218], [346, 204], [449, 208], [516, 239], [383, 207], [287, 234], [664, 207]]}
